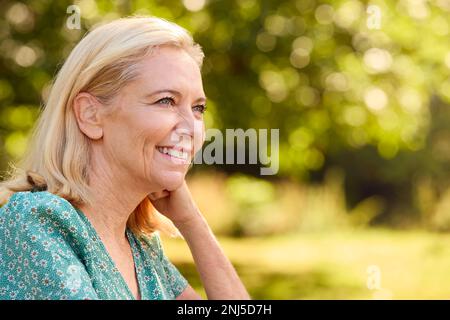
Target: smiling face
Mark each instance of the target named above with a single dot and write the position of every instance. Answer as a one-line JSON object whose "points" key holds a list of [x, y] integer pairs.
{"points": [[157, 123]]}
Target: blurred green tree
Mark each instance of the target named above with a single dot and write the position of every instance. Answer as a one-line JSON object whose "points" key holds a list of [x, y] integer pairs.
{"points": [[350, 84]]}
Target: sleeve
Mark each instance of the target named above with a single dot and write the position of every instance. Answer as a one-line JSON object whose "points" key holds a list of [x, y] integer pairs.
{"points": [[36, 263], [175, 280]]}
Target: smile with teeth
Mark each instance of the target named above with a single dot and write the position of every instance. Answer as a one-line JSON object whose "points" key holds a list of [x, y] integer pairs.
{"points": [[173, 153]]}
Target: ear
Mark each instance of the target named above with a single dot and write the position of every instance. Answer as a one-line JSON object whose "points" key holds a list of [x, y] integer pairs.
{"points": [[87, 112]]}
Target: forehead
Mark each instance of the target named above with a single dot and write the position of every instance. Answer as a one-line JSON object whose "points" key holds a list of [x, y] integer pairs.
{"points": [[171, 66]]}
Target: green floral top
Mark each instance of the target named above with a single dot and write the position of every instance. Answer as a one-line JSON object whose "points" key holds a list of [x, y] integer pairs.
{"points": [[50, 250]]}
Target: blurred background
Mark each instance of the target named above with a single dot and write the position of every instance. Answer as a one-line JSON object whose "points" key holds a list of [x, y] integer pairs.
{"points": [[360, 91]]}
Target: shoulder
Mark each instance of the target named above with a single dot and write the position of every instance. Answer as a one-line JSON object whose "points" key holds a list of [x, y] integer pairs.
{"points": [[42, 220], [41, 207], [39, 261], [25, 200]]}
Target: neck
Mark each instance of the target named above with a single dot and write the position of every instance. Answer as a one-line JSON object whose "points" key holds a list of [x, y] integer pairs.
{"points": [[114, 200]]}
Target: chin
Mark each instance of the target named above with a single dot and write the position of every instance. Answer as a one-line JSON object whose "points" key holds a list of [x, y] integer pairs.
{"points": [[172, 180]]}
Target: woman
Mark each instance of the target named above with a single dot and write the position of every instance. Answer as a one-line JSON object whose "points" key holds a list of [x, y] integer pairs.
{"points": [[121, 125]]}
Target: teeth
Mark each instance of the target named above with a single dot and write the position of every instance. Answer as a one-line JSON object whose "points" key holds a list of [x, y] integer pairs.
{"points": [[174, 153]]}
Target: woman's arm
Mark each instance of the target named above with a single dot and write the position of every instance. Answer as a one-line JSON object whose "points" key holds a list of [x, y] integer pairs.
{"points": [[218, 275]]}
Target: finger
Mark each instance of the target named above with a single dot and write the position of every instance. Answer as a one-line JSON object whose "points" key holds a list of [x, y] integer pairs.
{"points": [[158, 195], [154, 196], [164, 193]]}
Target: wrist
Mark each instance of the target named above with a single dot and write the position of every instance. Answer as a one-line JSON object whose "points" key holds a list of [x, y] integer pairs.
{"points": [[193, 220]]}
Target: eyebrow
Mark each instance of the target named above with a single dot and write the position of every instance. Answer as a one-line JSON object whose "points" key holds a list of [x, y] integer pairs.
{"points": [[176, 93]]}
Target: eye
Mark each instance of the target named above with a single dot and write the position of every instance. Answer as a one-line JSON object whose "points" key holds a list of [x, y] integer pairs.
{"points": [[201, 108], [166, 100]]}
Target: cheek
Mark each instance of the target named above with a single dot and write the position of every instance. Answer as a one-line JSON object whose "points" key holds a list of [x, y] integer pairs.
{"points": [[153, 127]]}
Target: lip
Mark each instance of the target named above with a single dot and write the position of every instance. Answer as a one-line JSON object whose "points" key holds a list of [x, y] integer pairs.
{"points": [[175, 160], [178, 148]]}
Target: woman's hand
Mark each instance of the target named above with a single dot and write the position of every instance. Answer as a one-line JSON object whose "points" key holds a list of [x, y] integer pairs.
{"points": [[217, 274], [177, 205]]}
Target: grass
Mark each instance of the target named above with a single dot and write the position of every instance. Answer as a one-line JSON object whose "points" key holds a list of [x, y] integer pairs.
{"points": [[334, 265]]}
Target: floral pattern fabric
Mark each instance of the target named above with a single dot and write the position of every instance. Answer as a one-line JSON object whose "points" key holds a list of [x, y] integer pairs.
{"points": [[50, 250]]}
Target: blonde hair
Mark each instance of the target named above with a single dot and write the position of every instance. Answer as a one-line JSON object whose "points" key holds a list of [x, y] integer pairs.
{"points": [[102, 63]]}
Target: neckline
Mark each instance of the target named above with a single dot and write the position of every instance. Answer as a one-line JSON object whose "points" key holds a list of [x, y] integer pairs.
{"points": [[130, 238]]}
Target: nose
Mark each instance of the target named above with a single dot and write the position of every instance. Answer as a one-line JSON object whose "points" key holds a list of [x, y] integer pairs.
{"points": [[184, 131], [185, 124], [189, 129]]}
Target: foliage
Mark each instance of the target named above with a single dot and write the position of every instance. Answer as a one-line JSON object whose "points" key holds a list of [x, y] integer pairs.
{"points": [[358, 264], [369, 97]]}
